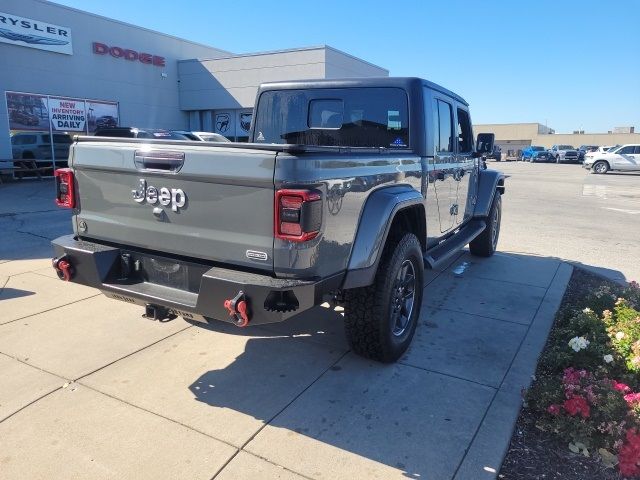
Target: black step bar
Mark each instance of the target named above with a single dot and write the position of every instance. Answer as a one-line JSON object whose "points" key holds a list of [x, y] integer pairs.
{"points": [[442, 252]]}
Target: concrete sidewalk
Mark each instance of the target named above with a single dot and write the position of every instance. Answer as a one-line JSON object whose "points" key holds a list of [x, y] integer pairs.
{"points": [[88, 389]]}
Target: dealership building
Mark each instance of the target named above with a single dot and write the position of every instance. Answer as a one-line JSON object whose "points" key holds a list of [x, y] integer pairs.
{"points": [[66, 70]]}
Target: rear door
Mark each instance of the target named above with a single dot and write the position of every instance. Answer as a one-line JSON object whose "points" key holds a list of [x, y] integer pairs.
{"points": [[444, 162], [465, 177], [215, 204], [624, 158]]}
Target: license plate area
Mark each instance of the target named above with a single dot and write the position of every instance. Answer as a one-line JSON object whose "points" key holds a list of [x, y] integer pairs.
{"points": [[165, 272], [137, 267]]}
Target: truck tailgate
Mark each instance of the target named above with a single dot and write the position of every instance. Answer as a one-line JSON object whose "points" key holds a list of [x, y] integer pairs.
{"points": [[217, 205]]}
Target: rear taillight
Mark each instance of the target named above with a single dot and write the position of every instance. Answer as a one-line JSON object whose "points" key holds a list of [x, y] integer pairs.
{"points": [[298, 215], [65, 192]]}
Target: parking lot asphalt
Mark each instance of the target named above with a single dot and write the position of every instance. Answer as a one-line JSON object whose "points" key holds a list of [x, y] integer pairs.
{"points": [[563, 211], [89, 389]]}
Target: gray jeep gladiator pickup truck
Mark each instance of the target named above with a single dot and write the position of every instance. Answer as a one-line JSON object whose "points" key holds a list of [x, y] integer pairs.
{"points": [[347, 190]]}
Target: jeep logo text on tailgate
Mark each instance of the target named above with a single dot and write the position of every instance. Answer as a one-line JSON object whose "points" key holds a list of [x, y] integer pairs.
{"points": [[165, 196]]}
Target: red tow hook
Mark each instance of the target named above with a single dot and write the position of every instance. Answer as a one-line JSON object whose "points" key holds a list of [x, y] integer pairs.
{"points": [[63, 268], [238, 310]]}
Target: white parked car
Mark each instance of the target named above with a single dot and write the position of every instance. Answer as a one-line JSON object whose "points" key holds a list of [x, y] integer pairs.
{"points": [[599, 150], [624, 158]]}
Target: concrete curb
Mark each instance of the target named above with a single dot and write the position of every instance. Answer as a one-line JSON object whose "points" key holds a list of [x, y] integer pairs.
{"points": [[489, 447]]}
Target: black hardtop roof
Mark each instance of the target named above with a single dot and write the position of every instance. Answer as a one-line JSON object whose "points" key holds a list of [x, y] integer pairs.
{"points": [[407, 83]]}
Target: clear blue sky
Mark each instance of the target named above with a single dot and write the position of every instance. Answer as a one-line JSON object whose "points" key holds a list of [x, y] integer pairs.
{"points": [[568, 63]]}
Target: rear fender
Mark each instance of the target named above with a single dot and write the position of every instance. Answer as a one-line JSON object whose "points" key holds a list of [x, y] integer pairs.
{"points": [[375, 223], [489, 182]]}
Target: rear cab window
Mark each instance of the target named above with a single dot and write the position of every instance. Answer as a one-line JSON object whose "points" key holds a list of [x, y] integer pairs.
{"points": [[344, 117]]}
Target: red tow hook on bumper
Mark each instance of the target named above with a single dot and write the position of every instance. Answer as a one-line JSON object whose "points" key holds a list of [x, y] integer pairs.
{"points": [[63, 268], [238, 310]]}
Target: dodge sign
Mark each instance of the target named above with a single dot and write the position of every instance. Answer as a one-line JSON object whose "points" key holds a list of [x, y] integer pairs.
{"points": [[30, 33]]}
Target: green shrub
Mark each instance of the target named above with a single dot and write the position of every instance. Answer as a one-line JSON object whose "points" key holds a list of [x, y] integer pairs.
{"points": [[623, 328]]}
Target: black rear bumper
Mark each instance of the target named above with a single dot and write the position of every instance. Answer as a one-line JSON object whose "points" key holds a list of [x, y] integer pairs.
{"points": [[187, 288]]}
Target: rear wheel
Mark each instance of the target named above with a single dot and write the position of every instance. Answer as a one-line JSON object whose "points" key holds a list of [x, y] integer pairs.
{"points": [[381, 319], [485, 244], [600, 167]]}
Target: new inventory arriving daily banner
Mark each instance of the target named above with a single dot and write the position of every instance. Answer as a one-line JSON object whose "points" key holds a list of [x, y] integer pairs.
{"points": [[28, 111]]}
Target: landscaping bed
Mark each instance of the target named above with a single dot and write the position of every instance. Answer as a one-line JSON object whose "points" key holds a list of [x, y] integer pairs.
{"points": [[581, 416]]}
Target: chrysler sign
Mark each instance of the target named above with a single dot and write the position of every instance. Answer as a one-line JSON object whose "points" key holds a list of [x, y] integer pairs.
{"points": [[27, 32]]}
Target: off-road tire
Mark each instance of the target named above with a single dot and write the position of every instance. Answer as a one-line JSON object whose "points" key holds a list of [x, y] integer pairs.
{"points": [[368, 321], [600, 167], [484, 245]]}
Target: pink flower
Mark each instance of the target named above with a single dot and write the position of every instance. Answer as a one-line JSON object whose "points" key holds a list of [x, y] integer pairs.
{"points": [[632, 398], [572, 376], [554, 410], [577, 405], [621, 387], [629, 455]]}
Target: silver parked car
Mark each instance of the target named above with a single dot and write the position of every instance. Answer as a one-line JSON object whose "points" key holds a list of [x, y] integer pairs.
{"points": [[625, 158], [564, 153], [37, 146]]}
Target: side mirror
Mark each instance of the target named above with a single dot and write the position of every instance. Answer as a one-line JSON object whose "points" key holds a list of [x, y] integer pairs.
{"points": [[485, 142]]}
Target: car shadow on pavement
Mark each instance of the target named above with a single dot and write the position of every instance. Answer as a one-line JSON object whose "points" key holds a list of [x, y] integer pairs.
{"points": [[8, 293], [410, 418], [342, 405]]}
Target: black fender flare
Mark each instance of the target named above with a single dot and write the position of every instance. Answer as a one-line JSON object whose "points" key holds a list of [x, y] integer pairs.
{"points": [[489, 182], [375, 222]]}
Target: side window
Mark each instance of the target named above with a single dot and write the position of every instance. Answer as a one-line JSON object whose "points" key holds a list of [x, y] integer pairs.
{"points": [[442, 119], [628, 150], [58, 138], [637, 149], [23, 140], [465, 134]]}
